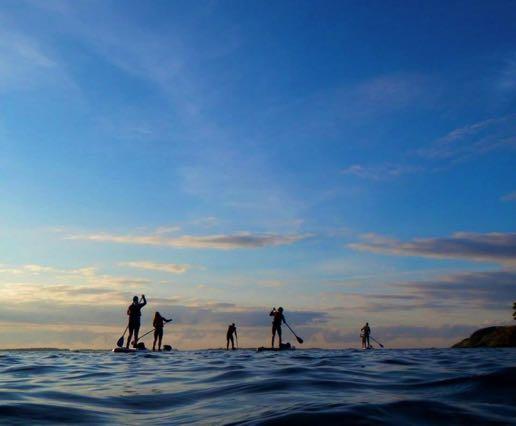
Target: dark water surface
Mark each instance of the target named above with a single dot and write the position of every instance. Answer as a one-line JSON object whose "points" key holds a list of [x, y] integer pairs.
{"points": [[430, 386]]}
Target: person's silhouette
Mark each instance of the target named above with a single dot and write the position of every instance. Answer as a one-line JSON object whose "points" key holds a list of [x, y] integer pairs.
{"points": [[365, 332], [134, 312], [229, 336], [278, 318], [158, 323]]}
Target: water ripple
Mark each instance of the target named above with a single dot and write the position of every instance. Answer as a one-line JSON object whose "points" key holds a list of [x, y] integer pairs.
{"points": [[387, 387]]}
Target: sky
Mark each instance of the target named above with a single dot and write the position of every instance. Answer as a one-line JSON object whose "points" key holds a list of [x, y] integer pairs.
{"points": [[349, 161]]}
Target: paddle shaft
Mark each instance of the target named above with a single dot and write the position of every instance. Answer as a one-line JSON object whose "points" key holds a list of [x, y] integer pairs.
{"points": [[143, 335], [373, 339], [293, 332], [149, 332]]}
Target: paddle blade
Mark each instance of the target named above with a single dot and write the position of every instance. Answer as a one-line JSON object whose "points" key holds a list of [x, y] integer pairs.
{"points": [[120, 342], [299, 340]]}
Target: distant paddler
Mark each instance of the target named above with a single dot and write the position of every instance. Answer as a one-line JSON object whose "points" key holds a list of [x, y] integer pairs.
{"points": [[365, 332], [229, 336], [158, 323], [134, 313], [277, 319]]}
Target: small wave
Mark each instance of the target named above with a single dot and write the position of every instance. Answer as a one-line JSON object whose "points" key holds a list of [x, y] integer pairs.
{"points": [[504, 378], [396, 413], [41, 414], [302, 387], [393, 361], [227, 375], [37, 369]]}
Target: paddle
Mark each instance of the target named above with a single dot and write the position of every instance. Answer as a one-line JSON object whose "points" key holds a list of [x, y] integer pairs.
{"points": [[142, 336], [299, 340], [373, 339], [149, 332], [120, 341]]}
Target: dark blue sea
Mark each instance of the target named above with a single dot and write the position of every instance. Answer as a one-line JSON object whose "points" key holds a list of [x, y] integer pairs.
{"points": [[320, 387]]}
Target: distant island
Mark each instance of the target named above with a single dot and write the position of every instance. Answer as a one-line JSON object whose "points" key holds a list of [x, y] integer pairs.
{"points": [[490, 337]]}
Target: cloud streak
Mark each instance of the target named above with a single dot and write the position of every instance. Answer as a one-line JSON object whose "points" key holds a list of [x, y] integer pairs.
{"points": [[172, 268], [474, 139], [244, 240], [490, 247], [489, 289], [458, 145], [511, 196], [36, 269], [384, 172]]}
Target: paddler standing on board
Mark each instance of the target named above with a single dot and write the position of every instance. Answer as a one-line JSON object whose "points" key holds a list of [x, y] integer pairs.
{"points": [[365, 331], [278, 318], [158, 323], [134, 312], [229, 336]]}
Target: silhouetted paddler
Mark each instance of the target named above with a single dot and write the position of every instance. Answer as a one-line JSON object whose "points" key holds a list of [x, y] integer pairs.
{"points": [[134, 312], [229, 336], [158, 323], [276, 323]]}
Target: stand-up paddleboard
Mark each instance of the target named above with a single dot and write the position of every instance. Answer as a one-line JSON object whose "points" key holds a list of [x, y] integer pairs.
{"points": [[264, 349], [133, 350], [129, 350]]}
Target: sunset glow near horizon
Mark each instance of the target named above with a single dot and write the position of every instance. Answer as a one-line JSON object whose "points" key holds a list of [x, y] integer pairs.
{"points": [[349, 161]]}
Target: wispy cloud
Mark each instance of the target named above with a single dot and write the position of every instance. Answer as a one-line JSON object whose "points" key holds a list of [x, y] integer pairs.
{"points": [[392, 91], [22, 59], [511, 196], [490, 247], [507, 80], [172, 268], [380, 172], [271, 283], [27, 63], [458, 145], [474, 139], [167, 229], [461, 291], [35, 269], [217, 242], [489, 289], [29, 283]]}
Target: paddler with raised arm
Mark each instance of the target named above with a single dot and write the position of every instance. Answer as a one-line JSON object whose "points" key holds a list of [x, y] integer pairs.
{"points": [[278, 318], [134, 311]]}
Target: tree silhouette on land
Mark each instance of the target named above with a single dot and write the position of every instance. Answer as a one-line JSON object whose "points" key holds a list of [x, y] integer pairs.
{"points": [[514, 309]]}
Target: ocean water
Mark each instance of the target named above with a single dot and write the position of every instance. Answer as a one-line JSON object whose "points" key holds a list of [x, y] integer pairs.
{"points": [[323, 387]]}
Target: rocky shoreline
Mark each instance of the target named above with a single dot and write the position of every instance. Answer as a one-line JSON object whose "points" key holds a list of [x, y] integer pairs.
{"points": [[490, 337]]}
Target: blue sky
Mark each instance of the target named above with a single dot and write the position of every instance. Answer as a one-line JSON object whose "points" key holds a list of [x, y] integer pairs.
{"points": [[351, 161]]}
